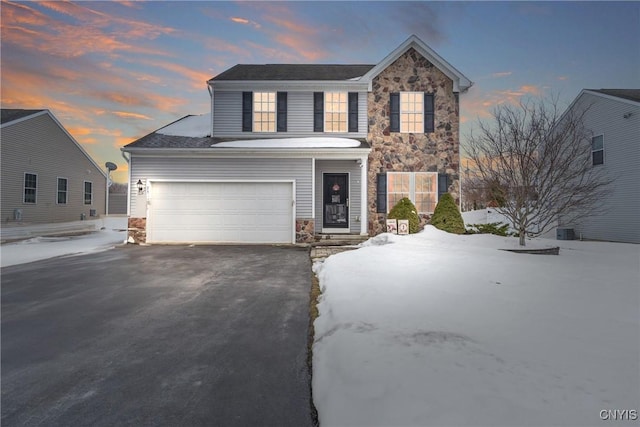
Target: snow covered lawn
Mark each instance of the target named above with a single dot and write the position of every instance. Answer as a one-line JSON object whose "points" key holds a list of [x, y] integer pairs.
{"points": [[440, 329], [39, 248]]}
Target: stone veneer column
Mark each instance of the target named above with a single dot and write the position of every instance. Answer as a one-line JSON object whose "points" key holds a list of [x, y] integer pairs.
{"points": [[137, 230], [438, 151]]}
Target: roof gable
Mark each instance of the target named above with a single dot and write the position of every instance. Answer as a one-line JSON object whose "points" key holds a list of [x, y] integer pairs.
{"points": [[622, 94], [460, 82], [16, 116], [10, 115]]}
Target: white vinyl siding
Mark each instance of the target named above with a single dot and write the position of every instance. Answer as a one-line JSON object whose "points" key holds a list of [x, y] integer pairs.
{"points": [[621, 136], [40, 146], [229, 169], [227, 115]]}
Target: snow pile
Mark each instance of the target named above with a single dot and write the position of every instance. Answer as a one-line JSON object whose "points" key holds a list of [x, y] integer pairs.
{"points": [[441, 329], [39, 248], [314, 142], [192, 126]]}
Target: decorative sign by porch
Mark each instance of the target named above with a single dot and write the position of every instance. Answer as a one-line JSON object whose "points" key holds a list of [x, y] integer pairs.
{"points": [[392, 226], [335, 187], [403, 226]]}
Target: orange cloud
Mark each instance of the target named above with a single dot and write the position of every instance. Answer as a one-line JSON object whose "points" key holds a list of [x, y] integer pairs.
{"points": [[127, 115], [198, 79]]}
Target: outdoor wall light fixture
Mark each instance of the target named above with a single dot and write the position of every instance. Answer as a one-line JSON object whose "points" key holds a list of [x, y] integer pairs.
{"points": [[140, 185]]}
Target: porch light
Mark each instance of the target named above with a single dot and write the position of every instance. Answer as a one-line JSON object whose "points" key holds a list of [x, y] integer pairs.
{"points": [[140, 185]]}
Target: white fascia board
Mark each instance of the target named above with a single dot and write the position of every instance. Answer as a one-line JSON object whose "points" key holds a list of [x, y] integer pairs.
{"points": [[328, 153], [22, 119], [460, 82], [289, 85], [611, 97]]}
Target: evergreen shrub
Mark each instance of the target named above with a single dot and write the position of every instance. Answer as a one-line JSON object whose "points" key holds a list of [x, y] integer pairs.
{"points": [[446, 216], [405, 209]]}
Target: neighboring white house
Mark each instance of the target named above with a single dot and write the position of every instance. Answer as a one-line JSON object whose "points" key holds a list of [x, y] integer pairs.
{"points": [[613, 117], [47, 177]]}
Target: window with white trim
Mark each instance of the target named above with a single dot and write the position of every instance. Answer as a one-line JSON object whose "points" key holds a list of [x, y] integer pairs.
{"points": [[412, 112], [335, 111], [30, 188], [61, 198], [88, 192], [597, 150], [420, 187], [264, 111]]}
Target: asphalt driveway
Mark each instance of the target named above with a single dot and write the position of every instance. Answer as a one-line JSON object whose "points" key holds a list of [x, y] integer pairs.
{"points": [[162, 335]]}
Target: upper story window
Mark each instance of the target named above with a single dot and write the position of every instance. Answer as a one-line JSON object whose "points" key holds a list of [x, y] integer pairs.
{"points": [[597, 150], [30, 187], [264, 111], [412, 112], [420, 187], [62, 191], [335, 112], [88, 192]]}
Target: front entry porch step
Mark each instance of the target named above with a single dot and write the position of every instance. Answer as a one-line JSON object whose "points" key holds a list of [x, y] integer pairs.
{"points": [[330, 244]]}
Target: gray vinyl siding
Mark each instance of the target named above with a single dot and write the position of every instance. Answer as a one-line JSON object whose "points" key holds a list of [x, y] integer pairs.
{"points": [[38, 145], [227, 116], [621, 221], [355, 205], [176, 168]]}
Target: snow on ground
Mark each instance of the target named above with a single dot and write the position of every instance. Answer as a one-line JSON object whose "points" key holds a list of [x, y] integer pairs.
{"points": [[441, 329], [192, 126], [313, 142], [39, 248]]}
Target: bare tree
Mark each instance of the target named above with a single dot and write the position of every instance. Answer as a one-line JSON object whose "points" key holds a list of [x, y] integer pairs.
{"points": [[539, 161], [118, 188]]}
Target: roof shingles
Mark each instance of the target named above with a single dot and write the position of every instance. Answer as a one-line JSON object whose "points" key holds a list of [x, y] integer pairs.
{"points": [[293, 72]]}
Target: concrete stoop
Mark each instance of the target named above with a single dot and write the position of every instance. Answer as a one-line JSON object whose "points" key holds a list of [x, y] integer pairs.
{"points": [[331, 244]]}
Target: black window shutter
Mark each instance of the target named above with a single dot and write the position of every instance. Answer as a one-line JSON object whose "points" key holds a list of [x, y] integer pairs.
{"points": [[381, 193], [395, 112], [318, 111], [428, 113], [281, 108], [353, 111], [443, 184], [247, 111]]}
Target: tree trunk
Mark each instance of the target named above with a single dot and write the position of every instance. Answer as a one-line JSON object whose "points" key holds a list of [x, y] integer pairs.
{"points": [[521, 235]]}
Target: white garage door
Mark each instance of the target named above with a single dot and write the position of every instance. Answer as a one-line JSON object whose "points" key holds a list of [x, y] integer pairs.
{"points": [[208, 212]]}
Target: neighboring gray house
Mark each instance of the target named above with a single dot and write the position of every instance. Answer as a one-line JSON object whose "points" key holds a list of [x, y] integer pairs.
{"points": [[293, 151], [613, 117], [47, 176]]}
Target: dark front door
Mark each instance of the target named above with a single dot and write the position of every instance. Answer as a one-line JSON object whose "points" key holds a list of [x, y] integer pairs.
{"points": [[336, 200]]}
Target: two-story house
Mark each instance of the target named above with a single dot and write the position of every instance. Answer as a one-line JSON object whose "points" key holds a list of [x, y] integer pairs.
{"points": [[290, 151]]}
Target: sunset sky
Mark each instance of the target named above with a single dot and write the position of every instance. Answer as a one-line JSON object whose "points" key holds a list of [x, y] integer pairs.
{"points": [[112, 72]]}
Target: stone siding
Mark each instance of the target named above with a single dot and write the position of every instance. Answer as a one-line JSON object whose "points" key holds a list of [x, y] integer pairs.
{"points": [[305, 230], [137, 230], [412, 152]]}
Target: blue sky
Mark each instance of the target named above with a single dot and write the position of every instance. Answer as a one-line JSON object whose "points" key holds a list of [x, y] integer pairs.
{"points": [[114, 71]]}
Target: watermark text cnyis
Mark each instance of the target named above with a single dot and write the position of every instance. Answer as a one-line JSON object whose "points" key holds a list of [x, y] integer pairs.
{"points": [[619, 414]]}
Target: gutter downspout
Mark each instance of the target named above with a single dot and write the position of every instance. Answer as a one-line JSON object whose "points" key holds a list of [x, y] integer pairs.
{"points": [[211, 96]]}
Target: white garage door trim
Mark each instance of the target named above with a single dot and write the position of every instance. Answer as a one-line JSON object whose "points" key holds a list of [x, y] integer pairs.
{"points": [[150, 219]]}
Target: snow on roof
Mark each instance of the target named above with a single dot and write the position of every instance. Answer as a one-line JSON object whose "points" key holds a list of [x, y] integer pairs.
{"points": [[314, 142], [192, 126]]}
